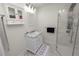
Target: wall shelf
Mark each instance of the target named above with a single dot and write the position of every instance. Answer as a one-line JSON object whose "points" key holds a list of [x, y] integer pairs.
{"points": [[14, 15]]}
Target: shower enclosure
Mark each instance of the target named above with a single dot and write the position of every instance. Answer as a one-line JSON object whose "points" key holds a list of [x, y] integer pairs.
{"points": [[67, 40]]}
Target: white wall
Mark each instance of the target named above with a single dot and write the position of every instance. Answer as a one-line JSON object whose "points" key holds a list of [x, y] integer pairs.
{"points": [[15, 33], [47, 17], [15, 36]]}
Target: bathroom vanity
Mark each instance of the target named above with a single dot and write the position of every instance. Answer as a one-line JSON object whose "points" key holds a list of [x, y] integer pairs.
{"points": [[33, 41]]}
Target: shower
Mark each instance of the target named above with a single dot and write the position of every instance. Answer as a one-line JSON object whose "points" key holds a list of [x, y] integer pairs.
{"points": [[67, 33]]}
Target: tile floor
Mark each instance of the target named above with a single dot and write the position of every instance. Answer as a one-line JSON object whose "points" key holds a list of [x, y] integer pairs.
{"points": [[49, 53]]}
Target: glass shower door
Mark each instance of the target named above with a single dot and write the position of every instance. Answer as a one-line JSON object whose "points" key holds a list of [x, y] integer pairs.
{"points": [[76, 41], [65, 36]]}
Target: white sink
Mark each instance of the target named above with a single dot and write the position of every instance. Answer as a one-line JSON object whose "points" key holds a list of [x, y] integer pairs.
{"points": [[33, 34]]}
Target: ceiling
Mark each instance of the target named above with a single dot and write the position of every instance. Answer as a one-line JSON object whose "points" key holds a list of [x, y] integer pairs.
{"points": [[38, 5]]}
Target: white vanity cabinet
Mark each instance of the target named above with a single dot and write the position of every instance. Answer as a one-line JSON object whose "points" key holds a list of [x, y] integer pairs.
{"points": [[33, 41]]}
